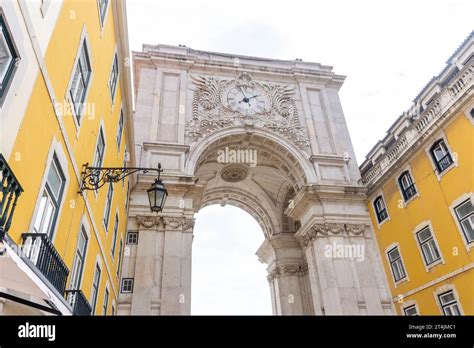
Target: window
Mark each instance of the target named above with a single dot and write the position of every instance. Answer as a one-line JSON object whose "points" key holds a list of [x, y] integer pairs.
{"points": [[106, 302], [411, 310], [108, 205], [407, 185], [132, 238], [448, 302], [102, 11], [380, 209], [8, 57], [119, 131], [119, 260], [80, 81], [396, 264], [78, 266], [465, 216], [127, 199], [114, 74], [127, 285], [100, 150], [95, 287], [114, 237], [49, 203], [428, 246], [441, 156]]}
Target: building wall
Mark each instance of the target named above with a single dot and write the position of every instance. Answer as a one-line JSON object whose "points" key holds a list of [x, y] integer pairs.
{"points": [[432, 205], [48, 124]]}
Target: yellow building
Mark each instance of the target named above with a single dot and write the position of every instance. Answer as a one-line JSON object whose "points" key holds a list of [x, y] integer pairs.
{"points": [[65, 101], [420, 195]]}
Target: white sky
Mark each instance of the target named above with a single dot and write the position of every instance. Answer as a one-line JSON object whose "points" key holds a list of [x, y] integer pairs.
{"points": [[387, 49]]}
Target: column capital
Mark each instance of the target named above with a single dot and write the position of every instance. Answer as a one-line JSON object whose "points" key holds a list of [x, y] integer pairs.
{"points": [[287, 269], [178, 223], [326, 229], [149, 221]]}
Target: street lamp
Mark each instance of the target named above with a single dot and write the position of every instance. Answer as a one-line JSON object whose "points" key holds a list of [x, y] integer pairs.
{"points": [[157, 194], [93, 178]]}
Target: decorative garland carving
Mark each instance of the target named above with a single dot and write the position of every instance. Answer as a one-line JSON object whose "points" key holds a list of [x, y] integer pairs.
{"points": [[299, 269], [210, 112], [169, 223], [319, 230]]}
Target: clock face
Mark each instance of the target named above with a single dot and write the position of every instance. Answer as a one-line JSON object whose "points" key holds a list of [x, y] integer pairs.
{"points": [[248, 100]]}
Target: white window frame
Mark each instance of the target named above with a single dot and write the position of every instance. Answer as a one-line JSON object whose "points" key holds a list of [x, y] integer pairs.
{"points": [[120, 258], [443, 289], [455, 164], [119, 135], [15, 56], [55, 149], [86, 227], [122, 285], [408, 306], [105, 302], [84, 38], [113, 246], [402, 280], [101, 129], [114, 92], [97, 265], [102, 22], [130, 233], [44, 7], [108, 207], [467, 113], [380, 194], [421, 226], [452, 207], [416, 195]]}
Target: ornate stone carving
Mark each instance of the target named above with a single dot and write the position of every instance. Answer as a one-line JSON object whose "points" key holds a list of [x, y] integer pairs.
{"points": [[356, 229], [234, 173], [297, 269], [209, 112], [188, 225], [318, 230], [178, 223], [149, 221]]}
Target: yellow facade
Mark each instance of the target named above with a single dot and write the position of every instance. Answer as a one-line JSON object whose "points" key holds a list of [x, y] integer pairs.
{"points": [[438, 193], [48, 126]]}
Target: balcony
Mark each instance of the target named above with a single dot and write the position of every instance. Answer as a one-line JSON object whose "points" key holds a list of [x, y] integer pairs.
{"points": [[10, 190], [39, 249], [78, 302]]}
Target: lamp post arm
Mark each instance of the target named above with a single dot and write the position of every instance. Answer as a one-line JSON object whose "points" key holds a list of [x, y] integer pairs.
{"points": [[93, 178]]}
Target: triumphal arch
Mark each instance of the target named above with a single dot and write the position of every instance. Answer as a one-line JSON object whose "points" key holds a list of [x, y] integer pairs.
{"points": [[268, 136]]}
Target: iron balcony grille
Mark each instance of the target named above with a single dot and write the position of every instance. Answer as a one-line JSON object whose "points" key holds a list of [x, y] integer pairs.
{"points": [[409, 192], [39, 249], [444, 162], [78, 302], [10, 190]]}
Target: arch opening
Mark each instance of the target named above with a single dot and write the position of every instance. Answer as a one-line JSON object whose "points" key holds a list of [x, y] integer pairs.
{"points": [[227, 278]]}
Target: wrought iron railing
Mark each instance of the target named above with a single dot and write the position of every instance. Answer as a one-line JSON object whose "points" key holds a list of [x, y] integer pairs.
{"points": [[78, 302], [10, 190], [39, 249]]}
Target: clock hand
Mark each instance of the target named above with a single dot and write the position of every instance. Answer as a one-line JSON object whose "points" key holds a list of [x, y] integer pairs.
{"points": [[241, 91], [255, 96]]}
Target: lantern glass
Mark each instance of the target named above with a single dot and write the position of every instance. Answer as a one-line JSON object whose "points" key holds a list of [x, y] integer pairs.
{"points": [[157, 196]]}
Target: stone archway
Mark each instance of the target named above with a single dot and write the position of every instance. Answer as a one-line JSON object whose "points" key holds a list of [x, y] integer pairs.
{"points": [[294, 175]]}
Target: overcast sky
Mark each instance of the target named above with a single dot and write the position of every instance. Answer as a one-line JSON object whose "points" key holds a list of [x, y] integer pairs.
{"points": [[387, 49]]}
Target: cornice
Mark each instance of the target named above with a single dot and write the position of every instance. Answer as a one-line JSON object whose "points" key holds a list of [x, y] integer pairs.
{"points": [[328, 229]]}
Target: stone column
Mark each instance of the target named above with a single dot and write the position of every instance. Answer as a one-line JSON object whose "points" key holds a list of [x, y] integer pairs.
{"points": [[342, 270], [287, 275], [147, 264], [176, 275]]}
